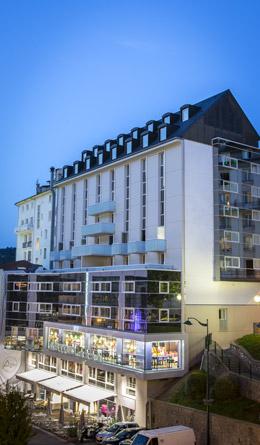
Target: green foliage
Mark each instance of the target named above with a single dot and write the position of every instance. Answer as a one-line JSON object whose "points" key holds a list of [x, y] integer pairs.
{"points": [[252, 344], [195, 386], [72, 431], [15, 422], [226, 388]]}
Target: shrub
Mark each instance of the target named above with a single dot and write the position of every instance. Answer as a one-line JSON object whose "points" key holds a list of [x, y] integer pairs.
{"points": [[15, 420], [226, 388], [195, 386], [251, 343]]}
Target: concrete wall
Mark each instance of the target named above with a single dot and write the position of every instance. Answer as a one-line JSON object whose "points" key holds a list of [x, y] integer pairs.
{"points": [[224, 431]]}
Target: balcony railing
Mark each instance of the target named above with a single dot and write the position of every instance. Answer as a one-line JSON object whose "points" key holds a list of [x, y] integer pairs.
{"points": [[98, 229], [101, 208], [24, 228]]}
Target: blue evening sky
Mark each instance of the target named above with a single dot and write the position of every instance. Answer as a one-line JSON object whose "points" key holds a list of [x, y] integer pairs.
{"points": [[74, 73]]}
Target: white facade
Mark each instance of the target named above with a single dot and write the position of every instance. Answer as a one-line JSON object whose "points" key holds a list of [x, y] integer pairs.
{"points": [[34, 229]]}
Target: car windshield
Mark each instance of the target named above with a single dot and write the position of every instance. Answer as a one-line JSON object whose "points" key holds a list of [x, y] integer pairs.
{"points": [[113, 428], [122, 434], [140, 440]]}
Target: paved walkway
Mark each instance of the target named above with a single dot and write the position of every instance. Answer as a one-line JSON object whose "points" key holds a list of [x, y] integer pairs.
{"points": [[44, 438]]}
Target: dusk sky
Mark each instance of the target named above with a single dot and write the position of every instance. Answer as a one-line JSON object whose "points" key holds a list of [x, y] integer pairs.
{"points": [[74, 73]]}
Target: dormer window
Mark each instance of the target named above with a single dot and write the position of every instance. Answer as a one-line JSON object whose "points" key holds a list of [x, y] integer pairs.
{"points": [[87, 163], [167, 119], [135, 134], [129, 147], [185, 114], [121, 140], [114, 153], [163, 133], [76, 168], [84, 155], [108, 146], [145, 140], [150, 127], [100, 158], [95, 151], [65, 172]]}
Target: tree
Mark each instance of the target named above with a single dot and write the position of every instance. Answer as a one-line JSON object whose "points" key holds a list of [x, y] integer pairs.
{"points": [[15, 420]]}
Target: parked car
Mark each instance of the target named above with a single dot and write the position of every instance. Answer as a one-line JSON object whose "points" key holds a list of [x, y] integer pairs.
{"points": [[129, 441], [173, 435], [114, 429], [122, 435], [89, 432]]}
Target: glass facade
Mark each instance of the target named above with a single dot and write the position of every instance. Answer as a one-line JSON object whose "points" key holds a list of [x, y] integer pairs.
{"points": [[236, 207]]}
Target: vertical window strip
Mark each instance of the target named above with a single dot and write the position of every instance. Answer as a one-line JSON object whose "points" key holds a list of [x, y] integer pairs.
{"points": [[73, 212], [98, 190], [127, 197], [162, 189], [62, 214], [143, 196], [112, 184], [85, 203]]}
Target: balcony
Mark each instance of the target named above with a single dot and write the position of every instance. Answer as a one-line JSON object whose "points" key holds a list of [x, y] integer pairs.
{"points": [[60, 255], [102, 207], [136, 247], [98, 229], [92, 250], [27, 244], [24, 228], [155, 245], [119, 249]]}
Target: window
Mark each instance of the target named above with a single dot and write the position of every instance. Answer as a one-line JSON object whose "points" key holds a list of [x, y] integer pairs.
{"points": [[129, 147], [72, 286], [161, 258], [87, 163], [163, 133], [129, 286], [44, 253], [62, 214], [29, 257], [142, 259], [231, 236], [100, 158], [255, 191], [105, 379], [72, 369], [76, 168], [164, 315], [129, 313], [101, 312], [256, 239], [232, 212], [73, 211], [145, 140], [38, 218], [185, 114], [164, 287], [107, 146], [65, 173], [20, 285], [121, 140], [222, 316], [231, 262], [256, 215], [112, 184], [135, 134], [101, 286], [229, 186], [143, 198], [150, 127], [161, 189], [45, 308], [130, 386], [114, 153], [41, 286], [255, 168], [167, 119], [256, 263], [98, 188], [227, 161], [71, 309], [45, 233], [16, 306]]}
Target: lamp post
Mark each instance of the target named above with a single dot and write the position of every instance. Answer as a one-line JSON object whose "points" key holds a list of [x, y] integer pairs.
{"points": [[207, 401]]}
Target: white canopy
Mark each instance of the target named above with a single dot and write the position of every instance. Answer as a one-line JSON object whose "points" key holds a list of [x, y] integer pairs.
{"points": [[35, 375], [88, 393], [60, 384]]}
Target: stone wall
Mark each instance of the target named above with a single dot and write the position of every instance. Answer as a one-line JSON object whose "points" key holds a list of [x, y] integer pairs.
{"points": [[224, 431], [250, 388]]}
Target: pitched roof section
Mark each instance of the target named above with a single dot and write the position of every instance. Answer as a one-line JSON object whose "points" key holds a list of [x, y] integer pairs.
{"points": [[216, 116]]}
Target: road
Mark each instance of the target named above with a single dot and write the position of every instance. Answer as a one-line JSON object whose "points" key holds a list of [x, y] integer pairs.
{"points": [[43, 438]]}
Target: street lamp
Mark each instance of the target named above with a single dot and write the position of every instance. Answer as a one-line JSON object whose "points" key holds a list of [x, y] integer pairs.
{"points": [[207, 401]]}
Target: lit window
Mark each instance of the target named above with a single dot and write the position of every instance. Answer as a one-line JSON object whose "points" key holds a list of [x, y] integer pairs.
{"points": [[185, 114], [114, 153], [164, 315], [145, 140], [231, 262], [100, 158], [164, 287], [129, 147], [163, 133], [231, 236]]}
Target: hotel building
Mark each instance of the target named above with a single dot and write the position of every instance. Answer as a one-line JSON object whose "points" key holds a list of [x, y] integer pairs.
{"points": [[147, 229]]}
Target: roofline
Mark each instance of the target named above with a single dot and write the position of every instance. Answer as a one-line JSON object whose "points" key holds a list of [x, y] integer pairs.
{"points": [[32, 197]]}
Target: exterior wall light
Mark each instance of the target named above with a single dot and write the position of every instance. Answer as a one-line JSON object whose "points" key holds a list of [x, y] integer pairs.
{"points": [[179, 297], [257, 298]]}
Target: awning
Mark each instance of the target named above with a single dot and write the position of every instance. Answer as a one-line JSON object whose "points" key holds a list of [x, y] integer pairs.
{"points": [[88, 394], [60, 384], [35, 375]]}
